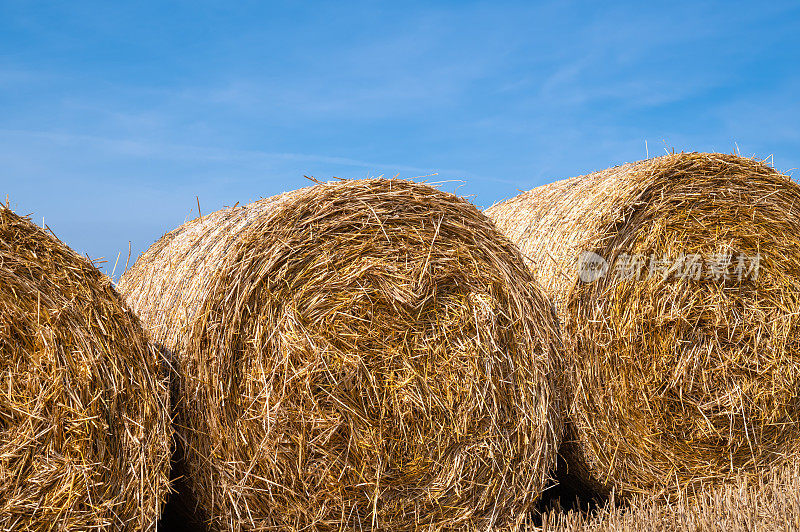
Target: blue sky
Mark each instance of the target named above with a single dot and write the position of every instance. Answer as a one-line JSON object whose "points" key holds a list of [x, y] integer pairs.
{"points": [[113, 118]]}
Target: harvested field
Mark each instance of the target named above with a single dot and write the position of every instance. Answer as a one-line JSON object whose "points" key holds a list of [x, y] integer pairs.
{"points": [[84, 414], [368, 354], [770, 502], [677, 283]]}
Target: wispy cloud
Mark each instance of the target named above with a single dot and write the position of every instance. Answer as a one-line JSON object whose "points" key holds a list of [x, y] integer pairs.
{"points": [[14, 77], [185, 152]]}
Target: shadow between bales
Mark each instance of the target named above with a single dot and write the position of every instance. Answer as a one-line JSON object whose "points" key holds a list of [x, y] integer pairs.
{"points": [[180, 513], [567, 493]]}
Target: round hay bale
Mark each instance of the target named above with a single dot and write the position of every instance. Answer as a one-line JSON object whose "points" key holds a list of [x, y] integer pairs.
{"points": [[84, 419], [677, 283], [370, 354]]}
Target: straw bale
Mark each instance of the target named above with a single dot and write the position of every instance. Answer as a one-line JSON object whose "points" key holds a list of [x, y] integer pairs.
{"points": [[84, 419], [368, 354], [675, 380]]}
